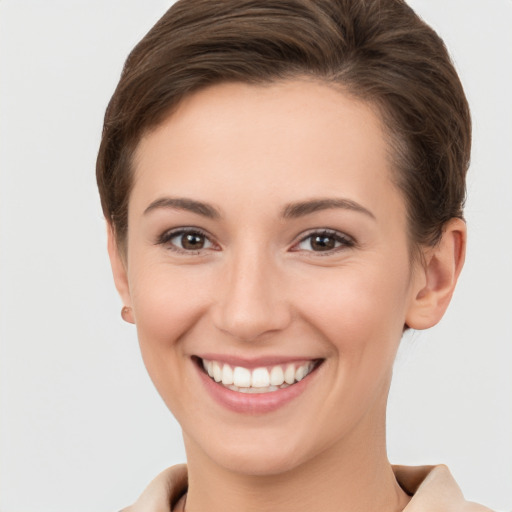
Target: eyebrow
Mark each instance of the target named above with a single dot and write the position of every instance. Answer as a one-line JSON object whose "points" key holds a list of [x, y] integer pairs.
{"points": [[181, 203], [302, 208], [290, 211]]}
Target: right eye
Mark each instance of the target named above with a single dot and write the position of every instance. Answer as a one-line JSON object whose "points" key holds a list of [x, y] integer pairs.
{"points": [[186, 240]]}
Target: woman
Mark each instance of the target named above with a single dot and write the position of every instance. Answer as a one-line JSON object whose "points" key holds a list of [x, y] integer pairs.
{"points": [[283, 183]]}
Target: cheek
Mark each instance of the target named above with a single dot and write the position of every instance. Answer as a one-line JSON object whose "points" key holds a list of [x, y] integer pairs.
{"points": [[359, 315], [358, 307], [167, 303], [166, 298]]}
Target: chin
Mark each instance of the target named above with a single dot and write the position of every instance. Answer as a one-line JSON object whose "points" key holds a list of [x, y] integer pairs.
{"points": [[246, 451], [256, 462], [256, 452]]}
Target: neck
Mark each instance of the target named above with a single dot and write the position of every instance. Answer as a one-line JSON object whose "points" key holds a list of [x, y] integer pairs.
{"points": [[353, 475]]}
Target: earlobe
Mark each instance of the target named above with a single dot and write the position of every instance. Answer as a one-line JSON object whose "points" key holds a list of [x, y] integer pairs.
{"points": [[118, 265], [436, 279]]}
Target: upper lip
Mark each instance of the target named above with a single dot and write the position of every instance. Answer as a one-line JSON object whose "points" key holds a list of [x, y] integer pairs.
{"points": [[256, 362]]}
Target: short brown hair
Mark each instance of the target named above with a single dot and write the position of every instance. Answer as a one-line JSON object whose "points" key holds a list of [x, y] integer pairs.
{"points": [[377, 50]]}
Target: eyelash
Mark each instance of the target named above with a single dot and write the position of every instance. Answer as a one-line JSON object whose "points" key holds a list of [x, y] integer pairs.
{"points": [[166, 237], [343, 240]]}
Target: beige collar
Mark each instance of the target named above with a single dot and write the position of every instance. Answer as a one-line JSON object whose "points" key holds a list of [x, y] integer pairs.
{"points": [[432, 488]]}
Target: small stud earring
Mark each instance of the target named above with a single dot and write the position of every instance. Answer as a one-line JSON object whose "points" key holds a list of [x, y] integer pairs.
{"points": [[126, 314]]}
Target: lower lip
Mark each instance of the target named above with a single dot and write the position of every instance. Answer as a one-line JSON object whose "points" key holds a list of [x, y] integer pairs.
{"points": [[254, 403]]}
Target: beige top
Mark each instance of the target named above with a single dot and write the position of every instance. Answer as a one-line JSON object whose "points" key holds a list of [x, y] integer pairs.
{"points": [[433, 489]]}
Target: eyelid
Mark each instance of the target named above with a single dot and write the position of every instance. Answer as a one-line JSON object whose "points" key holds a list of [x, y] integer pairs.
{"points": [[346, 240], [165, 238]]}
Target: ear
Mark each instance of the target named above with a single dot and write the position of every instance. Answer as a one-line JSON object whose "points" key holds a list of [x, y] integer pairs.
{"points": [[436, 279], [118, 264]]}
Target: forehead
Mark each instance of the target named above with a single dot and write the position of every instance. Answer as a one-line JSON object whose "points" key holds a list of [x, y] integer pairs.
{"points": [[285, 141]]}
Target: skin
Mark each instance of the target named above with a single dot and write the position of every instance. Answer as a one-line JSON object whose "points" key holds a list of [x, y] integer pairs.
{"points": [[258, 288]]}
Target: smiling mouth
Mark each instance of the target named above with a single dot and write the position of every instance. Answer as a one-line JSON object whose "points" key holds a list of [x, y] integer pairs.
{"points": [[264, 379]]}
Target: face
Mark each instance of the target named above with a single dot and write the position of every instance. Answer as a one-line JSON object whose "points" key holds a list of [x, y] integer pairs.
{"points": [[268, 271]]}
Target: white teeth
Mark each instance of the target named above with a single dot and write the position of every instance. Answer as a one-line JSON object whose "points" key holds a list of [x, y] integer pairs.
{"points": [[227, 375], [217, 372], [289, 374], [260, 378], [276, 376], [300, 373], [255, 391], [242, 377]]}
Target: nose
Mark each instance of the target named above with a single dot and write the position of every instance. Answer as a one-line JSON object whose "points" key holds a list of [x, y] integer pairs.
{"points": [[251, 300]]}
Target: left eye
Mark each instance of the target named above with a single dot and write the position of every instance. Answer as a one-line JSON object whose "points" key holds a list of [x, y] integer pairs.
{"points": [[324, 241]]}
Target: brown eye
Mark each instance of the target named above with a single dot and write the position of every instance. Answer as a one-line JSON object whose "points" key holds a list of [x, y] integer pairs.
{"points": [[322, 243], [192, 241], [325, 241], [185, 240]]}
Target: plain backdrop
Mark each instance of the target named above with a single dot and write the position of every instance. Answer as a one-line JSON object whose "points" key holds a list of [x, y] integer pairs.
{"points": [[81, 427]]}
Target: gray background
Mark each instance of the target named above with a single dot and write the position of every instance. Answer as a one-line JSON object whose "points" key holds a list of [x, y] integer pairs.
{"points": [[81, 427]]}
